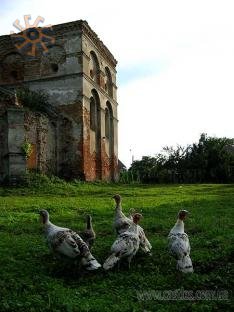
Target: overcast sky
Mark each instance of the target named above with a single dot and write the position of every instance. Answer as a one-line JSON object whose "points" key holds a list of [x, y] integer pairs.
{"points": [[175, 64]]}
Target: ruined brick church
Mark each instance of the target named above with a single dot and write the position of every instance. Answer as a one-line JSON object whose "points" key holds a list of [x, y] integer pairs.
{"points": [[79, 139]]}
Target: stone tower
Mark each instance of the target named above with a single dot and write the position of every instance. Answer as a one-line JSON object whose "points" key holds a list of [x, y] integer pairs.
{"points": [[80, 138]]}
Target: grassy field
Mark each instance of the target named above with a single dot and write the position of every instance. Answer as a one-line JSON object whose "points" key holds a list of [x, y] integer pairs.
{"points": [[32, 280]]}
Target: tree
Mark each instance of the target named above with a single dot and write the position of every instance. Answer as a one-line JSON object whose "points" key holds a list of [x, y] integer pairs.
{"points": [[209, 160]]}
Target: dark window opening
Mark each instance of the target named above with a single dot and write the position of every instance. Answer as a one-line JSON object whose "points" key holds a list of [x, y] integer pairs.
{"points": [[54, 67], [95, 69], [92, 114], [14, 75], [107, 123], [109, 84]]}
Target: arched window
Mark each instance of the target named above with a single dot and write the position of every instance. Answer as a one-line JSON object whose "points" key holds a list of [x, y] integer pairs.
{"points": [[94, 67], [94, 111], [109, 84], [109, 121], [95, 132], [12, 68], [109, 131]]}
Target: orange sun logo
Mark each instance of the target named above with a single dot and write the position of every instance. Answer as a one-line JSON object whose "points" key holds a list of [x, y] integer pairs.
{"points": [[32, 37]]}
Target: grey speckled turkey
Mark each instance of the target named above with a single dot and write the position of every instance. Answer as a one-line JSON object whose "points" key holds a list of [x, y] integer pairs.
{"points": [[88, 235], [121, 222], [179, 246], [63, 241], [125, 247], [145, 245]]}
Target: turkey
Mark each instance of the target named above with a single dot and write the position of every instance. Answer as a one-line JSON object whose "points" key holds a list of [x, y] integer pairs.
{"points": [[145, 245], [121, 222], [179, 246], [88, 235], [65, 242], [131, 213], [125, 247]]}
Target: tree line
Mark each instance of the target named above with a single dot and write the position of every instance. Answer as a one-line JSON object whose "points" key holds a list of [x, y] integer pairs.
{"points": [[211, 160]]}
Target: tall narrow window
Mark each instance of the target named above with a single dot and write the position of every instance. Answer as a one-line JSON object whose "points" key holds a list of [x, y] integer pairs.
{"points": [[107, 123], [94, 67], [109, 84], [92, 114], [95, 132], [109, 131]]}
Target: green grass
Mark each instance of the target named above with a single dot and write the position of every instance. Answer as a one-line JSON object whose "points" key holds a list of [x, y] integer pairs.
{"points": [[32, 280]]}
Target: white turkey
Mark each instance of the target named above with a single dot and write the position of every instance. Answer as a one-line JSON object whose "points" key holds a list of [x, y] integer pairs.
{"points": [[121, 222], [179, 246], [145, 245], [88, 235], [125, 247], [63, 241]]}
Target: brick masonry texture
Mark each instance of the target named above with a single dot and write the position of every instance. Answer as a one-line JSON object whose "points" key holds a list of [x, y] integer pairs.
{"points": [[79, 75]]}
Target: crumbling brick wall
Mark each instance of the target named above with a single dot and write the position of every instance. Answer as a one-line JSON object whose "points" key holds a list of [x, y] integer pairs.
{"points": [[41, 133], [76, 65]]}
